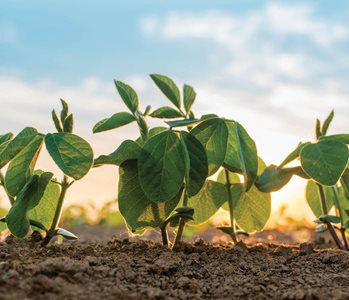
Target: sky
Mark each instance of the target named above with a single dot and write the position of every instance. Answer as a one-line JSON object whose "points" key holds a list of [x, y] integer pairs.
{"points": [[274, 66]]}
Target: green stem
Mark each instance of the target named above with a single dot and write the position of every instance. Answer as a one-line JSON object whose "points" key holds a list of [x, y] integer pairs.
{"points": [[181, 223], [231, 206], [52, 231], [325, 212], [2, 183]]}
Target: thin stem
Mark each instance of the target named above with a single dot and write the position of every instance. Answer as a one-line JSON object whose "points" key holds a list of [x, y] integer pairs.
{"points": [[181, 223], [231, 207], [2, 183], [325, 212], [164, 235], [52, 231]]}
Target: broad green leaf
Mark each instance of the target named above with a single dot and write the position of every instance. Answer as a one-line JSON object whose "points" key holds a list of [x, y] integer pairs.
{"points": [[13, 147], [213, 135], [152, 132], [342, 138], [325, 162], [198, 166], [21, 167], [233, 177], [294, 154], [182, 123], [126, 151], [17, 219], [139, 212], [128, 95], [327, 123], [168, 87], [273, 178], [117, 120], [72, 154], [206, 203], [313, 198], [5, 137], [162, 167], [236, 185], [208, 116], [253, 210], [241, 153], [166, 112], [189, 96], [44, 212]]}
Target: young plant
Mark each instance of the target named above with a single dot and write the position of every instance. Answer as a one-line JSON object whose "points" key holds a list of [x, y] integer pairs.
{"points": [[36, 197], [325, 164], [162, 166]]}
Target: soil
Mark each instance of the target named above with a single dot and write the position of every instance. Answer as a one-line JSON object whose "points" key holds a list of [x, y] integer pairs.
{"points": [[137, 269]]}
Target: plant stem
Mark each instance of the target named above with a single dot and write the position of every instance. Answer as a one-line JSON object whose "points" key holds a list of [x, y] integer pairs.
{"points": [[231, 207], [164, 235], [2, 183], [325, 212], [181, 223], [339, 209], [52, 231]]}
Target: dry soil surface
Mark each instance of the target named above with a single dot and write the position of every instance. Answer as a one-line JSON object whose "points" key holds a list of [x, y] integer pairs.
{"points": [[124, 269]]}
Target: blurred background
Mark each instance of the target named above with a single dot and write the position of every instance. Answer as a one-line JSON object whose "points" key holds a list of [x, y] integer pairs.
{"points": [[274, 66]]}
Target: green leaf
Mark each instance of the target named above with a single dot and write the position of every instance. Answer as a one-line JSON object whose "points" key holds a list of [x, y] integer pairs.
{"points": [[313, 198], [139, 212], [65, 110], [68, 124], [21, 167], [321, 228], [233, 177], [3, 226], [208, 116], [327, 123], [318, 132], [253, 210], [13, 147], [5, 137], [66, 234], [168, 87], [198, 167], [325, 162], [345, 183], [56, 121], [342, 138], [166, 112], [189, 96], [126, 151], [44, 212], [330, 219], [206, 203], [273, 178], [17, 219], [152, 132], [117, 120], [128, 95], [72, 154], [161, 167], [343, 203], [241, 154], [182, 123], [294, 154], [213, 135]]}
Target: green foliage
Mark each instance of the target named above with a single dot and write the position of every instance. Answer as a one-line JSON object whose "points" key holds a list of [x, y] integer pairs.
{"points": [[128, 95], [166, 112], [115, 121], [168, 87], [313, 198]]}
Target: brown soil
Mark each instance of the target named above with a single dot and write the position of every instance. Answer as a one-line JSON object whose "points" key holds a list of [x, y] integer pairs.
{"points": [[124, 269]]}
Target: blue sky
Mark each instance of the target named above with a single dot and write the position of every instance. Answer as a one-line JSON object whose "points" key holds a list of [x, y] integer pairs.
{"points": [[273, 65]]}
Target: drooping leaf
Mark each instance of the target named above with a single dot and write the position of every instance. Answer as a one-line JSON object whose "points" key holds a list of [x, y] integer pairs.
{"points": [[198, 165], [325, 162], [294, 154], [72, 154], [128, 95], [166, 112], [253, 210], [313, 198], [13, 147], [189, 96], [21, 167], [206, 203], [115, 121], [241, 154], [17, 219], [182, 123], [139, 212], [161, 167], [44, 212], [213, 135], [126, 151], [168, 87], [327, 123]]}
